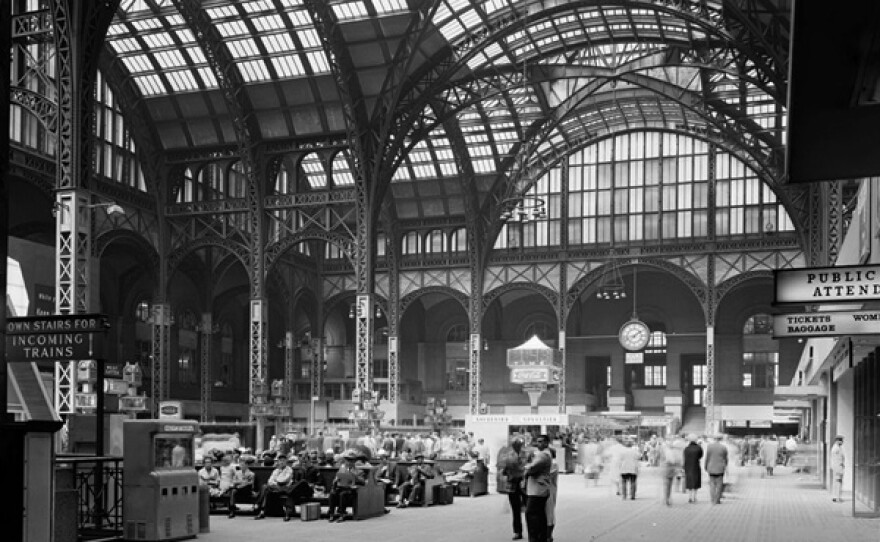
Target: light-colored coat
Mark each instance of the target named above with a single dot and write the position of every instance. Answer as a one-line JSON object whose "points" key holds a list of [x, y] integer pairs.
{"points": [[629, 460], [838, 459], [768, 452]]}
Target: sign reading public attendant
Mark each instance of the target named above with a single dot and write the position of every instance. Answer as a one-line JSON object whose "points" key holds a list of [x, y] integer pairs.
{"points": [[826, 324], [56, 338], [827, 284]]}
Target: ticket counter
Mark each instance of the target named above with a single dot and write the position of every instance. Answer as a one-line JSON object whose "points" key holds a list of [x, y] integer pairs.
{"points": [[161, 497]]}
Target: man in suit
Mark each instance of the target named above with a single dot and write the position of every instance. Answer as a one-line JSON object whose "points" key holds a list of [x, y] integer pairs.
{"points": [[716, 465], [538, 486]]}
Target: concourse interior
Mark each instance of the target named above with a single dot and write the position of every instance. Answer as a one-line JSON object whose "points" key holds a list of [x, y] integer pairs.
{"points": [[784, 508]]}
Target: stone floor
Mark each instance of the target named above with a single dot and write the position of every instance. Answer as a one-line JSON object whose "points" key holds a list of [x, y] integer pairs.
{"points": [[786, 507]]}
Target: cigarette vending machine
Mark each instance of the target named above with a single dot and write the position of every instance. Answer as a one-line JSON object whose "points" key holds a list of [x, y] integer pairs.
{"points": [[160, 484]]}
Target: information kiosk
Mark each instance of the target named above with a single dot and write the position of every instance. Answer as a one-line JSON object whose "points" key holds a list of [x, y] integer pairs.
{"points": [[161, 492]]}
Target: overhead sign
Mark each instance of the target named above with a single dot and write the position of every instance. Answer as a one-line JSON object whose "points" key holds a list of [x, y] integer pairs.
{"points": [[171, 410], [826, 324], [525, 375], [827, 284], [55, 338]]}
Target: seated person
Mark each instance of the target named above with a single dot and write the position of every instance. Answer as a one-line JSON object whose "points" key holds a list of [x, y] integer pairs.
{"points": [[464, 473], [243, 483], [386, 473], [209, 476], [345, 483], [280, 483], [415, 482]]}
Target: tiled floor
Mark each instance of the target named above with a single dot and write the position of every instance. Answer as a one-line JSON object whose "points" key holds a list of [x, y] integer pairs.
{"points": [[786, 507]]}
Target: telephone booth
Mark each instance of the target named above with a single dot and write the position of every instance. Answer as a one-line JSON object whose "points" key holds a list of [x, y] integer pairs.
{"points": [[161, 486]]}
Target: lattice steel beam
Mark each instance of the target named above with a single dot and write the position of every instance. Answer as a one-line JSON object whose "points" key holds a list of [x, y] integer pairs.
{"points": [[207, 382]]}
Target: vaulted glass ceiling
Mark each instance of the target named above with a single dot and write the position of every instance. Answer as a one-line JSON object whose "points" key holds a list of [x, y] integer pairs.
{"points": [[481, 93]]}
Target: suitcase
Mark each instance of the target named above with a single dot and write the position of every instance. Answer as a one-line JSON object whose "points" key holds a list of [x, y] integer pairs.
{"points": [[443, 494], [310, 511]]}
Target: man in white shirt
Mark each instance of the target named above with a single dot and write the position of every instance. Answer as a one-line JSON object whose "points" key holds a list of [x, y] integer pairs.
{"points": [[838, 467], [482, 451], [280, 483]]}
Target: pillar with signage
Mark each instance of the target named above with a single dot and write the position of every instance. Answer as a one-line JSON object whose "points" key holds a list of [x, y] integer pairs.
{"points": [[534, 365]]}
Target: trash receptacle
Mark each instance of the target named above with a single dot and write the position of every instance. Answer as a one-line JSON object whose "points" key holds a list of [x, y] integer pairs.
{"points": [[204, 509]]}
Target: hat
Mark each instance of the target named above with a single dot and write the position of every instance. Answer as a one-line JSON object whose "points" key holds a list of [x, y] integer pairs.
{"points": [[281, 456], [329, 451], [382, 453], [419, 456], [350, 454], [838, 437], [692, 437]]}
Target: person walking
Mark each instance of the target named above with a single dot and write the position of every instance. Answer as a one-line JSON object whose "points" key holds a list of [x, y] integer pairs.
{"points": [[538, 486], [671, 456], [716, 464], [768, 451], [693, 453], [510, 464], [838, 466], [628, 466]]}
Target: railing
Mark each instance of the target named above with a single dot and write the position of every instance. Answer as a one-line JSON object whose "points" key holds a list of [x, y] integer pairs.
{"points": [[97, 482]]}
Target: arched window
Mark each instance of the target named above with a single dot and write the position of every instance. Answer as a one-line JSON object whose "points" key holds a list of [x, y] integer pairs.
{"points": [[236, 182], [760, 353], [210, 182], [543, 231], [313, 170], [544, 330], [189, 191], [435, 242], [341, 171], [142, 312], [410, 243], [458, 240]]}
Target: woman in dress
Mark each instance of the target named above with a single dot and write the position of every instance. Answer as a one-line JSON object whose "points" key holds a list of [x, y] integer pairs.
{"points": [[693, 453]]}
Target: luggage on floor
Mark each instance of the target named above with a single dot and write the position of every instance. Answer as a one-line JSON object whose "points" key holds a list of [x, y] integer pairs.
{"points": [[310, 511]]}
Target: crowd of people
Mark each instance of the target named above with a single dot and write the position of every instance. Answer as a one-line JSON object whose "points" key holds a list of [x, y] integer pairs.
{"points": [[297, 461]]}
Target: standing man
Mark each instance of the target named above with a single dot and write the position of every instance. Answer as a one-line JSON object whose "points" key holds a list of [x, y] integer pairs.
{"points": [[510, 464], [716, 464], [628, 467], [838, 466], [538, 486]]}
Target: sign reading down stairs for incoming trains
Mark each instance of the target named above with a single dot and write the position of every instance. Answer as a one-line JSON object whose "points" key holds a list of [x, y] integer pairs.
{"points": [[56, 338]]}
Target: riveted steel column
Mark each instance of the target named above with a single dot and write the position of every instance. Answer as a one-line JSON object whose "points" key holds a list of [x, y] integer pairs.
{"points": [[160, 362], [257, 366], [206, 342], [364, 331]]}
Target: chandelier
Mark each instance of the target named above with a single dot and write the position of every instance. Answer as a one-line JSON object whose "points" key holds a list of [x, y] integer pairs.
{"points": [[612, 286], [523, 209]]}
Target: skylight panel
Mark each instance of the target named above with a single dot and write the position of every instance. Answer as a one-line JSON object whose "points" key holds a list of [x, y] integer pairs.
{"points": [[138, 64], [257, 6], [300, 18], [492, 6], [350, 10], [196, 54], [158, 41], [313, 168], [458, 5], [253, 70], [221, 12], [243, 48], [452, 29], [401, 174], [233, 28], [208, 78], [133, 6], [288, 66], [309, 37], [184, 35], [318, 61], [470, 18], [147, 24], [442, 14], [269, 23], [484, 166], [278, 43], [478, 60], [448, 169], [150, 85], [170, 59], [389, 6], [182, 80]]}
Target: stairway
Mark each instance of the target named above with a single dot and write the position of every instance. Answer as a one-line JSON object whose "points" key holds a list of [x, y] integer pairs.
{"points": [[35, 400], [694, 420]]}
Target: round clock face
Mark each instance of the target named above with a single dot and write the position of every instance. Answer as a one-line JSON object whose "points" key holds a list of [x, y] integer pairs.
{"points": [[634, 335]]}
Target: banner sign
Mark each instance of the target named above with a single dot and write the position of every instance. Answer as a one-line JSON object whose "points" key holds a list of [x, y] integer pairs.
{"points": [[827, 284], [56, 338], [826, 324]]}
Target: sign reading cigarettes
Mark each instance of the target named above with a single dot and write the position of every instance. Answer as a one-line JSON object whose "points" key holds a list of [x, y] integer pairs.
{"points": [[827, 284], [820, 324]]}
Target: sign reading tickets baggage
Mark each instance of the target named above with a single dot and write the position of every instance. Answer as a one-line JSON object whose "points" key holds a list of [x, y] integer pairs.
{"points": [[827, 284], [822, 324], [56, 338]]}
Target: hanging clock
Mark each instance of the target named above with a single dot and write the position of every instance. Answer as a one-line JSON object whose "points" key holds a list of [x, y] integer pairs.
{"points": [[634, 335]]}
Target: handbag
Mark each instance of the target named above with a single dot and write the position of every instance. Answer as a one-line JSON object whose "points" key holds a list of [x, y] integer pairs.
{"points": [[504, 483]]}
